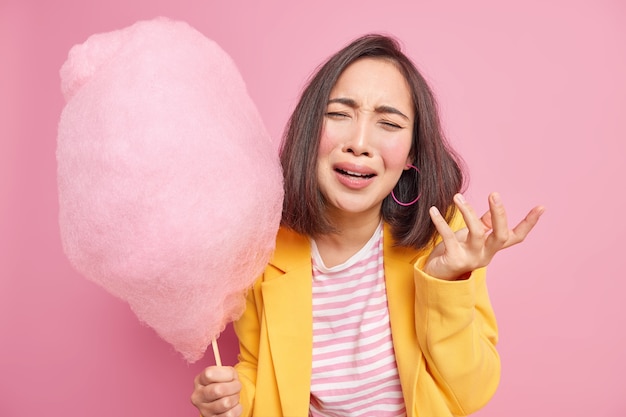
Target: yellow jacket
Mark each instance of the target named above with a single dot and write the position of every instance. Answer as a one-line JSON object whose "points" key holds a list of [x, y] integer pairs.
{"points": [[444, 335]]}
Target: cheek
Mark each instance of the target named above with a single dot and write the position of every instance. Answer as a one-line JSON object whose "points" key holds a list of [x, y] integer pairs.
{"points": [[328, 141], [326, 145], [395, 153]]}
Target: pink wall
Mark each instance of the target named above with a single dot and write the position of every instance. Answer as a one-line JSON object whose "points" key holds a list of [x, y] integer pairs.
{"points": [[533, 96]]}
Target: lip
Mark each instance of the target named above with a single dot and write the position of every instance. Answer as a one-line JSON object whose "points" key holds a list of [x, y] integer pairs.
{"points": [[354, 176]]}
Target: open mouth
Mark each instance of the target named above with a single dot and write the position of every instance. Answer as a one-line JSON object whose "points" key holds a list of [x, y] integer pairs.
{"points": [[354, 174]]}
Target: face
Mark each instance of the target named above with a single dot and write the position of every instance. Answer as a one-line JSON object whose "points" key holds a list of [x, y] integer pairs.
{"points": [[366, 137]]}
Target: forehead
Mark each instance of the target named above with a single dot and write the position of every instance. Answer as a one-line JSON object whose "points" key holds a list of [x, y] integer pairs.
{"points": [[376, 80]]}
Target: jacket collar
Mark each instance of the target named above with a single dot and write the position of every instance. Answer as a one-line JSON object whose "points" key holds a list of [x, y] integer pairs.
{"points": [[288, 305], [293, 251]]}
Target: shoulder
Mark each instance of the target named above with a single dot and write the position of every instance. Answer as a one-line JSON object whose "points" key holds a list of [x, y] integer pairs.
{"points": [[292, 250], [287, 236], [409, 254], [392, 251]]}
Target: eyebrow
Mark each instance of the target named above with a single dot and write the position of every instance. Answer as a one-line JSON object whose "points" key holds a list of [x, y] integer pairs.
{"points": [[380, 109]]}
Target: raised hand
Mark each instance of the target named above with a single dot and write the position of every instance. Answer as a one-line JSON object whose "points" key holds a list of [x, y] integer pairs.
{"points": [[473, 247]]}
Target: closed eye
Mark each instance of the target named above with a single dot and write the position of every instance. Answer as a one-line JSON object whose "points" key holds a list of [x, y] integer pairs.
{"points": [[390, 125], [336, 115]]}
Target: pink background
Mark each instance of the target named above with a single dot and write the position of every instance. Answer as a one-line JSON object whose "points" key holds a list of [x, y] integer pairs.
{"points": [[533, 95]]}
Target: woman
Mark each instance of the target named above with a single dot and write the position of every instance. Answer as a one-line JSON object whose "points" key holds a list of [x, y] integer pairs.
{"points": [[372, 304]]}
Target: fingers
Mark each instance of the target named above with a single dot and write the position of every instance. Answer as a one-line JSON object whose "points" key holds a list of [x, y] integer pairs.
{"points": [[216, 392], [499, 225], [217, 374], [496, 220], [447, 235], [474, 246], [476, 227], [213, 400], [524, 227], [486, 219]]}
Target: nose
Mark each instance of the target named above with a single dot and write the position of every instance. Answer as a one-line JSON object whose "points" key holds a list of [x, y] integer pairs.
{"points": [[358, 142]]}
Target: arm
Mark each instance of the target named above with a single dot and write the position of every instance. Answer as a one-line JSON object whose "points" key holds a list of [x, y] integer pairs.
{"points": [[455, 322], [457, 331]]}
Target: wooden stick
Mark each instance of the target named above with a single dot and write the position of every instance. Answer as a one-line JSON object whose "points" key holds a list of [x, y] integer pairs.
{"points": [[216, 352]]}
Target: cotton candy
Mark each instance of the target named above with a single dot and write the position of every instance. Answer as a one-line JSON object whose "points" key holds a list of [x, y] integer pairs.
{"points": [[170, 188]]}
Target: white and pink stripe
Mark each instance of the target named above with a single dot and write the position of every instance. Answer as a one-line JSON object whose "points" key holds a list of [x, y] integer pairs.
{"points": [[354, 367]]}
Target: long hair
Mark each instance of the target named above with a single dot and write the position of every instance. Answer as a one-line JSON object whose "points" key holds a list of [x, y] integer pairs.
{"points": [[304, 208]]}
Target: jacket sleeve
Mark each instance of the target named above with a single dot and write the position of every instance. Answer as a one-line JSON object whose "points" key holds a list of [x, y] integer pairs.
{"points": [[457, 331], [247, 328]]}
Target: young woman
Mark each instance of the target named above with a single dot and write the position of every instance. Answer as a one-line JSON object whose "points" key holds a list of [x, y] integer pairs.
{"points": [[375, 301]]}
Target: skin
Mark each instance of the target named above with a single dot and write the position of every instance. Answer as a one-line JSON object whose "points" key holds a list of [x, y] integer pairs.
{"points": [[475, 246], [216, 392], [364, 147], [368, 130]]}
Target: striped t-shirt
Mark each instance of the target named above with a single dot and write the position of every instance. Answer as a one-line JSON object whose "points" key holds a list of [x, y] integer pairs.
{"points": [[354, 367]]}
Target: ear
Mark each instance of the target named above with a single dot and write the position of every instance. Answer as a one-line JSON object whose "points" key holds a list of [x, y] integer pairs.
{"points": [[409, 161]]}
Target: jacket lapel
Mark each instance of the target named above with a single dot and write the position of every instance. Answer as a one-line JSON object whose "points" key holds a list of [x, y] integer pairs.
{"points": [[400, 283], [287, 295]]}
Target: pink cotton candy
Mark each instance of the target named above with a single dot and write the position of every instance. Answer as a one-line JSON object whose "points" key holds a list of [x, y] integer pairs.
{"points": [[170, 188]]}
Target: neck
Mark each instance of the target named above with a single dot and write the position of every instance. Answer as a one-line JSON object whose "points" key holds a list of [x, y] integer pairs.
{"points": [[353, 232]]}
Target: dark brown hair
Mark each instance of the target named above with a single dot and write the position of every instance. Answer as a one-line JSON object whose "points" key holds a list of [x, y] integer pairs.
{"points": [[304, 208]]}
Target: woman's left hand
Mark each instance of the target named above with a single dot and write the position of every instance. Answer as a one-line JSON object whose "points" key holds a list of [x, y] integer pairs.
{"points": [[473, 247]]}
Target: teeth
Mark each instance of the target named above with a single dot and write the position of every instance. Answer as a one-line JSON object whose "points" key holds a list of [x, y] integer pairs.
{"points": [[357, 174]]}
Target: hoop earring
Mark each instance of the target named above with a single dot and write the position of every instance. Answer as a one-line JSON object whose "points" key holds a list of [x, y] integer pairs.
{"points": [[412, 202]]}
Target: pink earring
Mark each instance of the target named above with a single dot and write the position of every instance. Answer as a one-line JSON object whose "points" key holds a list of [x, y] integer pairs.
{"points": [[412, 202]]}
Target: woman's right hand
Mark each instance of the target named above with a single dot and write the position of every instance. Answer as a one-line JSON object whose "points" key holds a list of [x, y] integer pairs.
{"points": [[216, 392]]}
